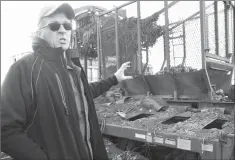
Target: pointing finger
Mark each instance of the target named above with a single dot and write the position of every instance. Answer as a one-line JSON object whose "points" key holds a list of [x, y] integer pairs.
{"points": [[126, 64]]}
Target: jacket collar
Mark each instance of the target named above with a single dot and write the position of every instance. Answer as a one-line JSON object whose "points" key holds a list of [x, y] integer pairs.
{"points": [[41, 47]]}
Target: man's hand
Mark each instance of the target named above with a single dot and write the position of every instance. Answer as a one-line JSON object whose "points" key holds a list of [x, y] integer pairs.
{"points": [[120, 72]]}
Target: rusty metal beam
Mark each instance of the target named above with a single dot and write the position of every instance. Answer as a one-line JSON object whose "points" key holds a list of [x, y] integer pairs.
{"points": [[214, 56], [128, 3], [184, 44], [169, 6], [233, 43], [166, 28], [139, 54], [98, 47], [101, 56], [204, 45], [216, 29], [226, 27], [117, 40], [202, 27], [221, 64], [123, 5]]}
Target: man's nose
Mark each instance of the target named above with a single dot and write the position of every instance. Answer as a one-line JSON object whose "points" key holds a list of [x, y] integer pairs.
{"points": [[61, 29]]}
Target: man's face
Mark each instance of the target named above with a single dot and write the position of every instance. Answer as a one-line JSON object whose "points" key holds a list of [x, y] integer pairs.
{"points": [[59, 38]]}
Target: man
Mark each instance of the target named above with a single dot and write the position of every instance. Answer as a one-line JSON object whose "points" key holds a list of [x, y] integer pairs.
{"points": [[47, 104]]}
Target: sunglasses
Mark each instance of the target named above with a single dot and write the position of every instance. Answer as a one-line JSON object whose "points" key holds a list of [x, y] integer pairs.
{"points": [[55, 26]]}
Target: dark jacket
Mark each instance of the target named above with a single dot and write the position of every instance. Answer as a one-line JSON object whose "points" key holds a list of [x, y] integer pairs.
{"points": [[39, 120]]}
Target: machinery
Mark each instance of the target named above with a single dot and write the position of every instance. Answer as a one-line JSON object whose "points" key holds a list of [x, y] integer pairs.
{"points": [[205, 128], [180, 112]]}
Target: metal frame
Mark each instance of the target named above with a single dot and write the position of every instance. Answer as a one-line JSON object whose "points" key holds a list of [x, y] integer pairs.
{"points": [[116, 38], [139, 56], [165, 40], [206, 56]]}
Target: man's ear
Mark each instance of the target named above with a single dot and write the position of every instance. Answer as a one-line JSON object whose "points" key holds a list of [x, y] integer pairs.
{"points": [[38, 33]]}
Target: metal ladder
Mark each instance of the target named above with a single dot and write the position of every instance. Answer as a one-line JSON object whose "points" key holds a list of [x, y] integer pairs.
{"points": [[182, 38]]}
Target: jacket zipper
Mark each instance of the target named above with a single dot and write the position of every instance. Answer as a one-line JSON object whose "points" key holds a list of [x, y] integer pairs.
{"points": [[62, 93], [62, 62]]}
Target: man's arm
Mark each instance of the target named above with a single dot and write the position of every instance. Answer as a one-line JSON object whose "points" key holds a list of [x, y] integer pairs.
{"points": [[15, 98], [98, 88], [102, 86]]}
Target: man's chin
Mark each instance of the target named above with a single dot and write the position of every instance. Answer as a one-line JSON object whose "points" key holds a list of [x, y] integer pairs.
{"points": [[65, 47]]}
